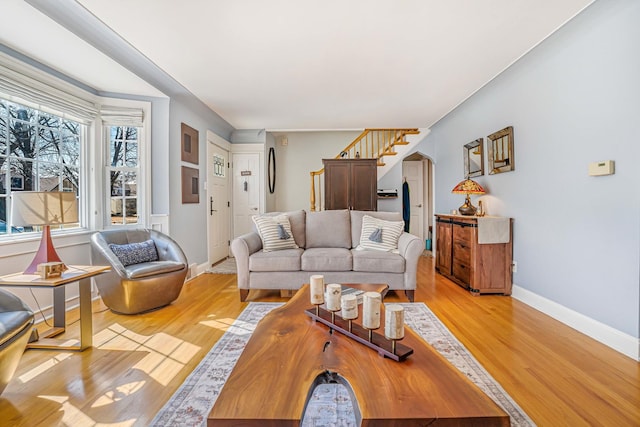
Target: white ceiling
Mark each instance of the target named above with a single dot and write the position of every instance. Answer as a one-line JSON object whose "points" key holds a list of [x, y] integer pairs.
{"points": [[299, 64], [29, 32]]}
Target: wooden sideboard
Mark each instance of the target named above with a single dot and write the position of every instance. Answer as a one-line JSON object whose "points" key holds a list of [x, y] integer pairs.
{"points": [[481, 268]]}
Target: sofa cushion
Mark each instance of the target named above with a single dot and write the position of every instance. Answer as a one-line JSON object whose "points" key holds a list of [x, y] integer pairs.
{"points": [[275, 232], [285, 260], [297, 220], [380, 235], [377, 261], [356, 222], [329, 229], [327, 259], [135, 253]]}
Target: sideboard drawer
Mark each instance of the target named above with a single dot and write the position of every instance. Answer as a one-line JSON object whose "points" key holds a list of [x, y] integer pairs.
{"points": [[461, 252], [462, 233], [461, 271]]}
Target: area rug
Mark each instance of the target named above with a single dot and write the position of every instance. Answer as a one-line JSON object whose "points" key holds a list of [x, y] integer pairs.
{"points": [[329, 406], [228, 266]]}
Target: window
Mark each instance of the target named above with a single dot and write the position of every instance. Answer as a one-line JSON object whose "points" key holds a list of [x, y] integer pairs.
{"points": [[39, 151], [218, 166], [123, 173]]}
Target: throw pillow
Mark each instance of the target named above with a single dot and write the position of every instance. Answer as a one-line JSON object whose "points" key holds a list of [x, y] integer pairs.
{"points": [[379, 234], [135, 253], [275, 232]]}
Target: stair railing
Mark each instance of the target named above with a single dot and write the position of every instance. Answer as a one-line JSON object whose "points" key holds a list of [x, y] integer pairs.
{"points": [[370, 144]]}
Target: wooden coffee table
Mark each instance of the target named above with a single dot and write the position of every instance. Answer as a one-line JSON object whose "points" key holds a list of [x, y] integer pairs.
{"points": [[288, 351]]}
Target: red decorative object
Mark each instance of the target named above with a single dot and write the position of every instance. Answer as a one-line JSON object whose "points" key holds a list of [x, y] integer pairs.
{"points": [[46, 252]]}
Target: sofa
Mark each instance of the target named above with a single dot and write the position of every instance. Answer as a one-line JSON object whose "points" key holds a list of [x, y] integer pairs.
{"points": [[330, 243]]}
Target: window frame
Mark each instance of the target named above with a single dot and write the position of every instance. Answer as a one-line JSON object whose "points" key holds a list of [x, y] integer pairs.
{"points": [[103, 197], [83, 174], [34, 87]]}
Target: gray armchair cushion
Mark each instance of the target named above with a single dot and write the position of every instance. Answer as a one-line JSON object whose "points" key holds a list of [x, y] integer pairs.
{"points": [[145, 269], [12, 322], [329, 229], [16, 322], [326, 259]]}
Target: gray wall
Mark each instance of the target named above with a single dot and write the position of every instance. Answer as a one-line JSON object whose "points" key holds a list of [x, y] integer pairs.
{"points": [[303, 154], [572, 100], [188, 222]]}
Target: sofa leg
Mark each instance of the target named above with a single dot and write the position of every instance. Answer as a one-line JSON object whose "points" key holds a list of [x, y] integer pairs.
{"points": [[410, 295], [244, 293]]}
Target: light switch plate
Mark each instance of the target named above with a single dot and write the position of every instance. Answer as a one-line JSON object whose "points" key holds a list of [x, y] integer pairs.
{"points": [[605, 167]]}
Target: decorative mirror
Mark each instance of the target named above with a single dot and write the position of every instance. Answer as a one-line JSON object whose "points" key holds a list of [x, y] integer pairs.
{"points": [[271, 170], [501, 151], [474, 158]]}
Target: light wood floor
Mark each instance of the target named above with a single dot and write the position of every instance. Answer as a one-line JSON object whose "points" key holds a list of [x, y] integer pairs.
{"points": [[559, 376]]}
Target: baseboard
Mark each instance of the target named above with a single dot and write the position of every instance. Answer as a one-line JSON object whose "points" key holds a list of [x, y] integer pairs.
{"points": [[197, 269], [611, 337]]}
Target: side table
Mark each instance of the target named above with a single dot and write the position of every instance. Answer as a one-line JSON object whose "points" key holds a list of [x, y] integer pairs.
{"points": [[75, 273]]}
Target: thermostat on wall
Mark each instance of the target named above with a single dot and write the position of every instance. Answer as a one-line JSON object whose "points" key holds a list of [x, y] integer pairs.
{"points": [[606, 167]]}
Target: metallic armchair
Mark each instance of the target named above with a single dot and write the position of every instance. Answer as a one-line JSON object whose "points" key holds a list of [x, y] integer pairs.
{"points": [[16, 323], [138, 287]]}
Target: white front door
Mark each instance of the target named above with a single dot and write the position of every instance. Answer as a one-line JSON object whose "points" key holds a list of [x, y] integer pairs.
{"points": [[246, 191], [413, 174], [218, 202]]}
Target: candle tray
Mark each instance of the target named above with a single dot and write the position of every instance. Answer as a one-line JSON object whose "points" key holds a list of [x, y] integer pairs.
{"points": [[358, 333]]}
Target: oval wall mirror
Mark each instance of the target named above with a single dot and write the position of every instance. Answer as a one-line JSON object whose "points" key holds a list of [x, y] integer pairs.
{"points": [[271, 170]]}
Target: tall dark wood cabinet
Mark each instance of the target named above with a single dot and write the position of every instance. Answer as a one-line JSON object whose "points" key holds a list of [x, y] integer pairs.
{"points": [[481, 268], [351, 184]]}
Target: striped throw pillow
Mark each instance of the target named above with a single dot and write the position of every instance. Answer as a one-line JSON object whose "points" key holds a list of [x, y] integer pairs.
{"points": [[275, 232], [379, 234]]}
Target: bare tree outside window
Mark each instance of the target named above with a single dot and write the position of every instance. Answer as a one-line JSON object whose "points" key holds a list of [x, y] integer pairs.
{"points": [[123, 172], [39, 151]]}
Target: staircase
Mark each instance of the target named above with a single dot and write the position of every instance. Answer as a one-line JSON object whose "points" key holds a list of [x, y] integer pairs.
{"points": [[370, 144]]}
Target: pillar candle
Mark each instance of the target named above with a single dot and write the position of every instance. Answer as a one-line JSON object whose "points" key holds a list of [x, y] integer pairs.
{"points": [[317, 289], [334, 291], [349, 307], [371, 310], [394, 322]]}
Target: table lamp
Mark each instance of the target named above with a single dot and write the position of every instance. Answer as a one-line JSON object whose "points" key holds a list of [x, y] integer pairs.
{"points": [[467, 187], [43, 208]]}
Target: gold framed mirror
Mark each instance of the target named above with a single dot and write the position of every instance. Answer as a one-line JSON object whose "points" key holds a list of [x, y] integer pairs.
{"points": [[474, 158], [501, 151]]}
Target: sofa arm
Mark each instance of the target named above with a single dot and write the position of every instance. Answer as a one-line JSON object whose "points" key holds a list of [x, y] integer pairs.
{"points": [[410, 247], [242, 247]]}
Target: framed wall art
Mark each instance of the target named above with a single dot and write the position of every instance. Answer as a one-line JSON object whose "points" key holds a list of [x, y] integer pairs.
{"points": [[501, 151], [190, 185], [189, 144]]}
